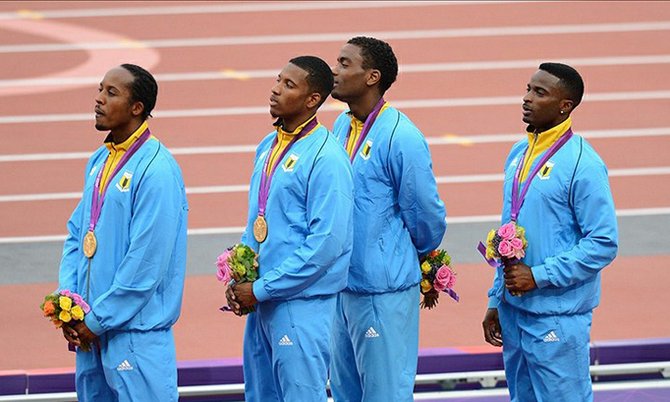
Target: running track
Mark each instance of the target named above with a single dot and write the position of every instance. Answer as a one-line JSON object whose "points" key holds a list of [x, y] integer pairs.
{"points": [[464, 68]]}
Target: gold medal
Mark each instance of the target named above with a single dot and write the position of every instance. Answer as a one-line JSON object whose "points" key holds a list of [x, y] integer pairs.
{"points": [[260, 229], [90, 244]]}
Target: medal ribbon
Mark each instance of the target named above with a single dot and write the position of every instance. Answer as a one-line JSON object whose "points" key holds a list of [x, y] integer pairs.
{"points": [[369, 121], [266, 178], [517, 198], [98, 199]]}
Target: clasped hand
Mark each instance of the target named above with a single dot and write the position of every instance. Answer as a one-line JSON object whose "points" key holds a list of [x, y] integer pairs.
{"points": [[239, 296], [519, 278]]}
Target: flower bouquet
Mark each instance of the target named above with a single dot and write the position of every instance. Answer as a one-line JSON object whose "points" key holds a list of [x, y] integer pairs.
{"points": [[237, 264], [437, 276], [65, 308], [507, 244]]}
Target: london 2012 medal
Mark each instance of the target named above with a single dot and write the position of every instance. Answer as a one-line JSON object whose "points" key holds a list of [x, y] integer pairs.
{"points": [[260, 229], [90, 244]]}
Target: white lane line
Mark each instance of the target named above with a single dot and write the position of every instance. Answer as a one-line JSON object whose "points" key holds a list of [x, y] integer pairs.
{"points": [[220, 9], [433, 140], [404, 68], [242, 188], [531, 30], [337, 106], [633, 212]]}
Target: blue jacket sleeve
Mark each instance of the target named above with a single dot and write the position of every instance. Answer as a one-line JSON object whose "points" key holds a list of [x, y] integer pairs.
{"points": [[157, 218], [594, 211], [329, 210], [421, 209], [67, 275]]}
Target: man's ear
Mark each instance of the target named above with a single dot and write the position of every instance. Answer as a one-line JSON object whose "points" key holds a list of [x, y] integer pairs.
{"points": [[567, 105], [137, 109], [373, 77], [313, 100]]}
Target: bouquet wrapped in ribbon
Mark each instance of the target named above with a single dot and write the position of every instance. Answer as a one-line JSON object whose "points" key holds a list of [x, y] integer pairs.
{"points": [[237, 264], [65, 308], [437, 276], [507, 244]]}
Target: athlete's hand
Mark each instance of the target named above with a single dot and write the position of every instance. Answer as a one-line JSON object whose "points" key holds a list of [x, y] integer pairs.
{"points": [[519, 278], [491, 325], [84, 334], [244, 294], [232, 301]]}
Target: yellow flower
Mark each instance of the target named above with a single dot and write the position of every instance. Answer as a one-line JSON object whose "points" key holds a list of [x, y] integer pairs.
{"points": [[426, 286], [65, 303], [64, 316], [490, 253], [490, 236], [77, 313], [425, 267]]}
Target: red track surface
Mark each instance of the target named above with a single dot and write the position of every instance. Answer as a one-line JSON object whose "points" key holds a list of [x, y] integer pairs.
{"points": [[631, 287]]}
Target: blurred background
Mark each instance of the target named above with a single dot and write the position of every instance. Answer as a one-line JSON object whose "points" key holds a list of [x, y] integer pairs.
{"points": [[464, 67]]}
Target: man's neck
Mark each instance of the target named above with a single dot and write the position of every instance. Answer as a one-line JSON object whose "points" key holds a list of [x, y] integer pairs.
{"points": [[289, 124], [120, 136], [363, 106]]}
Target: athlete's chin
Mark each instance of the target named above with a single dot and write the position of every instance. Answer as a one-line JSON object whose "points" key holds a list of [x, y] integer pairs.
{"points": [[101, 127]]}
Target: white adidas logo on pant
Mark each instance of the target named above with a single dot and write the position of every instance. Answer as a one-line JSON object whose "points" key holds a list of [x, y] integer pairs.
{"points": [[285, 341], [124, 366], [551, 337], [371, 333]]}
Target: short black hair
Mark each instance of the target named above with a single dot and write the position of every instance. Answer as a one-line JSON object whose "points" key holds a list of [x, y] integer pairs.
{"points": [[143, 89], [569, 79], [378, 55], [319, 74]]}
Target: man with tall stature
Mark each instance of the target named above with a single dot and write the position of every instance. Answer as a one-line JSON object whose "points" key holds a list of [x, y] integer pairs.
{"points": [[398, 219], [125, 252]]}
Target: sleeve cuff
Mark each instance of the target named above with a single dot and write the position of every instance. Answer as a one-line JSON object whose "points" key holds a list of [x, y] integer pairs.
{"points": [[493, 302], [259, 291], [93, 324], [540, 275]]}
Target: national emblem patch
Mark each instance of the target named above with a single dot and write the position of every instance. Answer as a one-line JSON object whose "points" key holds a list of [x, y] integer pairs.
{"points": [[290, 163], [124, 184], [545, 171], [365, 152]]}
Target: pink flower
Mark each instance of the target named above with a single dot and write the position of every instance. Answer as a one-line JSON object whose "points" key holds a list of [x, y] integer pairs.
{"points": [[505, 249], [517, 245], [507, 231], [66, 293], [444, 279], [223, 269], [79, 301]]}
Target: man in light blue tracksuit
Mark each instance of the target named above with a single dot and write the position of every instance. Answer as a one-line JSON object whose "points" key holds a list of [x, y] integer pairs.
{"points": [[540, 308], [132, 274], [398, 219], [304, 246]]}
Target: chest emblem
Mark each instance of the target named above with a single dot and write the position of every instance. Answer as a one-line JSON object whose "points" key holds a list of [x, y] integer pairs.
{"points": [[365, 151], [543, 174], [290, 163], [123, 185]]}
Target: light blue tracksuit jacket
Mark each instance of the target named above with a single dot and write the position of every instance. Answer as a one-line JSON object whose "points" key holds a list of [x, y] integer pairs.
{"points": [[398, 214]]}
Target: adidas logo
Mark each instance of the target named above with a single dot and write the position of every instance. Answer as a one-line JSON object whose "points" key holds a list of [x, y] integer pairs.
{"points": [[124, 366], [285, 341], [371, 333], [551, 337]]}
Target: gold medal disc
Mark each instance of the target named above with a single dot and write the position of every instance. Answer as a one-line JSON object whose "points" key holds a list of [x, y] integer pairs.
{"points": [[90, 244], [260, 229]]}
